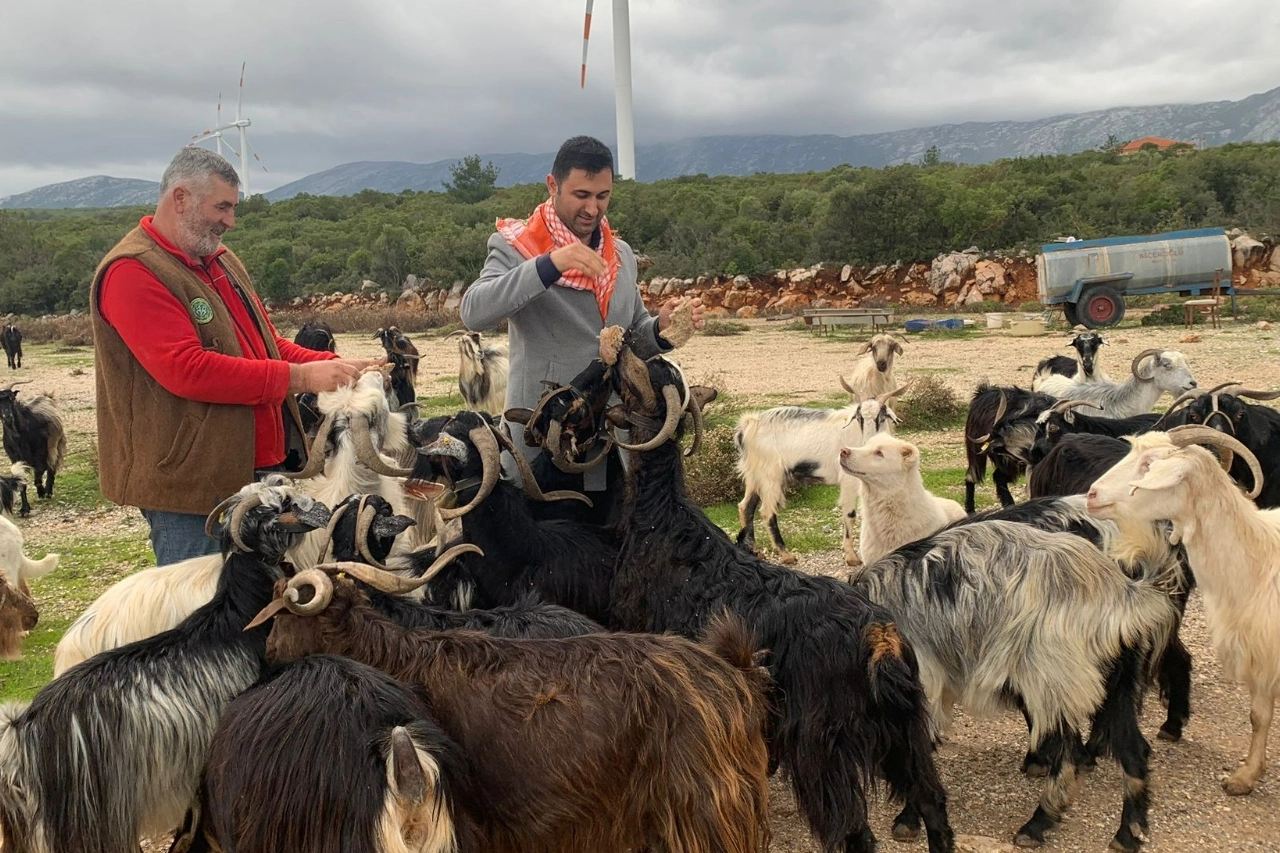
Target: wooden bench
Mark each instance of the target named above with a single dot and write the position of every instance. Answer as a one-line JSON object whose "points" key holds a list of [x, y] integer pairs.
{"points": [[825, 319]]}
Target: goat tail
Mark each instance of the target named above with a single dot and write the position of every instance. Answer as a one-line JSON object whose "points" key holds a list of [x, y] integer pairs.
{"points": [[22, 471], [32, 569], [892, 670], [729, 638]]}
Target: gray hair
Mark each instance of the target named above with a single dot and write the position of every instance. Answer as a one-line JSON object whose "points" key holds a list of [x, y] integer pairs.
{"points": [[194, 166]]}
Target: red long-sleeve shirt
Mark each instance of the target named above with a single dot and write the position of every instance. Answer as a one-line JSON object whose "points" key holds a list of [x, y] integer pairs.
{"points": [[157, 329]]}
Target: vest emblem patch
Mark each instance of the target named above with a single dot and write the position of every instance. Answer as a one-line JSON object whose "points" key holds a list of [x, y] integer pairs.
{"points": [[201, 310]]}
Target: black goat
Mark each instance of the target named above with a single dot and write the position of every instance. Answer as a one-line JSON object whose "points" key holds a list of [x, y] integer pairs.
{"points": [[847, 703], [1256, 427], [11, 341], [394, 341], [564, 562], [33, 434], [1061, 420], [363, 528], [112, 749], [1071, 465], [1081, 368], [316, 335], [340, 756], [401, 379], [1000, 427]]}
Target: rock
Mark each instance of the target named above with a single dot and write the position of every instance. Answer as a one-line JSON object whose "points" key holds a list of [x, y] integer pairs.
{"points": [[1263, 326], [973, 250], [747, 312], [453, 303], [741, 282], [410, 282], [1246, 251], [1274, 266], [715, 313], [920, 299], [655, 287], [410, 301], [1189, 338], [846, 272], [982, 844], [878, 271], [950, 271], [791, 302], [734, 299], [990, 278]]}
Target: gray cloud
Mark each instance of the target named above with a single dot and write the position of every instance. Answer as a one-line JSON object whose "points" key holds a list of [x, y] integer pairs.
{"points": [[96, 88]]}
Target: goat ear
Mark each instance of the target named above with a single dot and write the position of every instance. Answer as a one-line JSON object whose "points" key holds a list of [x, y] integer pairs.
{"points": [[408, 778], [617, 416], [897, 348], [703, 394], [1159, 473], [519, 416], [391, 526]]}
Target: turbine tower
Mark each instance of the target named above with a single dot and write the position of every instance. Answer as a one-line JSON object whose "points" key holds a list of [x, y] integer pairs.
{"points": [[242, 125], [621, 83]]}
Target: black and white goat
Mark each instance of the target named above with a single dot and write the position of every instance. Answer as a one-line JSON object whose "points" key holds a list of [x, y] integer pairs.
{"points": [[1153, 372], [1063, 419], [847, 704], [1232, 547], [111, 750], [1001, 614], [291, 769], [1082, 368], [482, 373], [564, 562], [1000, 427], [795, 446], [394, 341], [34, 434], [1256, 427], [316, 335]]}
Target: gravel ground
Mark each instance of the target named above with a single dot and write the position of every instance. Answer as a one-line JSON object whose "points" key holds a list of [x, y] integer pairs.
{"points": [[989, 798]]}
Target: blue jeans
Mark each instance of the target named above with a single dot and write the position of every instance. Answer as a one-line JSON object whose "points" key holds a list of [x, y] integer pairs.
{"points": [[177, 536]]}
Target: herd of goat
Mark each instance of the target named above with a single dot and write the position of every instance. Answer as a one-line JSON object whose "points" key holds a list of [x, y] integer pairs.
{"points": [[399, 649]]}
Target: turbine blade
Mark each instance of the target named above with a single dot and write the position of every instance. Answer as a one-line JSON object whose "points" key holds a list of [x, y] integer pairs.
{"points": [[586, 35], [240, 96]]}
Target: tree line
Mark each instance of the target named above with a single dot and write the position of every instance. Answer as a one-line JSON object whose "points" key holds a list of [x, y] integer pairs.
{"points": [[691, 225]]}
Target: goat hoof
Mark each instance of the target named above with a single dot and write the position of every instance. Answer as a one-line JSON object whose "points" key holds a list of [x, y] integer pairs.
{"points": [[1168, 734], [1023, 839], [1237, 787], [905, 832], [1128, 844], [786, 558], [1033, 768]]}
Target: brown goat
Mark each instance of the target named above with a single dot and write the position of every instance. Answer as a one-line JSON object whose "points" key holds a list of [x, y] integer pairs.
{"points": [[604, 742], [17, 616]]}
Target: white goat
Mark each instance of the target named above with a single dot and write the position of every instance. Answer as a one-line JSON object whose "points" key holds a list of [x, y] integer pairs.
{"points": [[16, 569], [1154, 373], [482, 373], [791, 445], [896, 507], [872, 373], [1233, 548], [142, 605]]}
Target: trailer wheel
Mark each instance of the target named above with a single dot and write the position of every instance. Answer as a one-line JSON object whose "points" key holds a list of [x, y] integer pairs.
{"points": [[1101, 306], [1070, 313]]}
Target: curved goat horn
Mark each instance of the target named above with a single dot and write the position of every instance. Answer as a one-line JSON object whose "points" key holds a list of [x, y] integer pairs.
{"points": [[211, 520], [490, 461], [329, 529], [844, 383], [1133, 367], [322, 592], [1066, 405], [1258, 395], [530, 483], [884, 398], [1000, 410], [1184, 398], [695, 411], [367, 453], [315, 456], [237, 519], [1194, 434], [364, 524], [9, 387], [672, 396], [393, 584]]}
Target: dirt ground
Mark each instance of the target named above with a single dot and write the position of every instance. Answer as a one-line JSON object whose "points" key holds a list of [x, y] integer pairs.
{"points": [[989, 798]]}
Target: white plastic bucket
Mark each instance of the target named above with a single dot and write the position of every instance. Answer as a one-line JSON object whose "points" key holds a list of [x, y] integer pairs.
{"points": [[995, 321]]}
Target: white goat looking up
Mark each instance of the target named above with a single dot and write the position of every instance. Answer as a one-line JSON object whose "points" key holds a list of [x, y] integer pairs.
{"points": [[872, 373], [482, 373], [1233, 548], [896, 507], [1154, 372], [791, 445]]}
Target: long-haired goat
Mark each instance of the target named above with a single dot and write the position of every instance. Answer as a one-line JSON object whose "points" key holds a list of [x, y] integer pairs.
{"points": [[1000, 614], [13, 487], [291, 769], [18, 615], [1256, 427], [1000, 427], [1082, 368], [896, 507], [847, 704], [394, 341], [316, 335], [482, 373], [16, 570], [791, 445], [1232, 547], [1063, 419], [11, 342], [34, 434], [564, 562], [579, 745], [111, 750], [1153, 372], [872, 371]]}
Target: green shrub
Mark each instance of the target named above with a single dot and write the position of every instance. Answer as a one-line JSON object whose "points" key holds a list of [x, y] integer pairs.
{"points": [[983, 307], [710, 475], [1169, 315], [723, 328], [930, 404]]}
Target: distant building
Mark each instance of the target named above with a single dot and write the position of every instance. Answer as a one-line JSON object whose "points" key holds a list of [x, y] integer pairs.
{"points": [[1159, 142]]}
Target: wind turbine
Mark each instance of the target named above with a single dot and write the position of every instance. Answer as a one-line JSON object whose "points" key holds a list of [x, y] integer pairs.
{"points": [[621, 83], [242, 125]]}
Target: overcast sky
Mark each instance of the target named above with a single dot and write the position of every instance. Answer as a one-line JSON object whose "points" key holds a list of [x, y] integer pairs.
{"points": [[90, 87]]}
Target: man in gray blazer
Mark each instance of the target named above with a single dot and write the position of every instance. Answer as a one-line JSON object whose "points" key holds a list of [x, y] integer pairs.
{"points": [[558, 278]]}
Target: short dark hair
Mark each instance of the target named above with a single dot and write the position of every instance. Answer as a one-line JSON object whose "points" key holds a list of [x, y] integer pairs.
{"points": [[582, 152]]}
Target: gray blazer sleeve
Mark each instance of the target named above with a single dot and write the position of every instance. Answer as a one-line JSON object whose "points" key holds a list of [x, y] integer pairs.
{"points": [[506, 284]]}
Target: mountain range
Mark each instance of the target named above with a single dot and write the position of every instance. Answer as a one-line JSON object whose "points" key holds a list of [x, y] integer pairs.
{"points": [[1252, 119]]}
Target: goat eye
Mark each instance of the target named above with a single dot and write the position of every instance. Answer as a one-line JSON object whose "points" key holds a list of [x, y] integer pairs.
{"points": [[878, 453], [1052, 428]]}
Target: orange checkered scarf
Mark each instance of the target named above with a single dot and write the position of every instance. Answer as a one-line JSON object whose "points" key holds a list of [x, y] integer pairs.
{"points": [[543, 231]]}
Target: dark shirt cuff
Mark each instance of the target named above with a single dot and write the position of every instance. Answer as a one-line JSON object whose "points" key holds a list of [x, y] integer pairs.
{"points": [[547, 271], [663, 344]]}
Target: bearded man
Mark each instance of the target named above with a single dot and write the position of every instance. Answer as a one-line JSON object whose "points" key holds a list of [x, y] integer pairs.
{"points": [[558, 278], [194, 385]]}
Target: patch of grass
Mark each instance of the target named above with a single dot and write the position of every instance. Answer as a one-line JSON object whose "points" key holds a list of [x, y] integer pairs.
{"points": [[440, 404], [77, 483], [86, 569], [810, 522], [723, 328]]}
